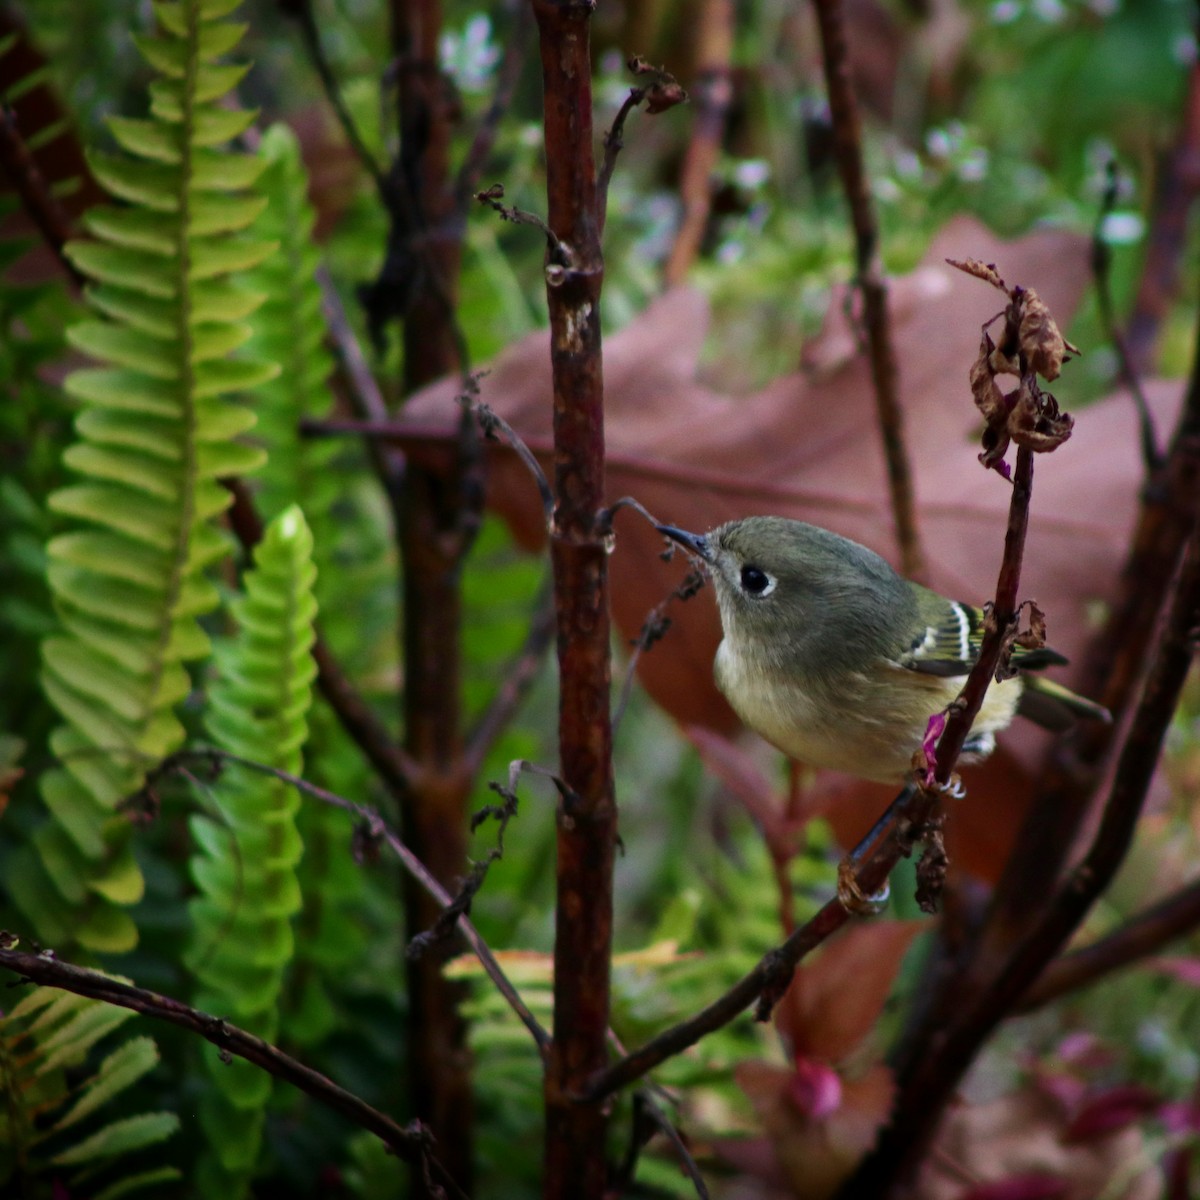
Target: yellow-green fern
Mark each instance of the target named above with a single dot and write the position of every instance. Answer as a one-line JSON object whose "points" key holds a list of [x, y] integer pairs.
{"points": [[156, 430], [246, 856]]}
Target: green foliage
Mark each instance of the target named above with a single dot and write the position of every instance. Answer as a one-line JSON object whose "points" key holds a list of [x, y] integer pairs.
{"points": [[49, 1107], [289, 329], [703, 942], [246, 854], [155, 431]]}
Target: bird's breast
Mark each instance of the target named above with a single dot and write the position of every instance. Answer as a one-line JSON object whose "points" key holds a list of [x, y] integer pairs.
{"points": [[866, 723]]}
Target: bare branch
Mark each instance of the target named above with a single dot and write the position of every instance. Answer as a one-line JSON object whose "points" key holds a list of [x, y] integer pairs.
{"points": [[847, 141], [516, 680], [375, 830], [412, 1143], [1172, 917], [36, 197]]}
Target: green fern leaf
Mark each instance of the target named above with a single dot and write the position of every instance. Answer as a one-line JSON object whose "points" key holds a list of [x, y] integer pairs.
{"points": [[44, 1041], [155, 434], [244, 864]]}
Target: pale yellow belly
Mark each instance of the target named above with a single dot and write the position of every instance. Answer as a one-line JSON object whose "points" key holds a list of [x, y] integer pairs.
{"points": [[868, 729]]}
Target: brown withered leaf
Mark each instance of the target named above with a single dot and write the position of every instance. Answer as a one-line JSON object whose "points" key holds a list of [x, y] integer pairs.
{"points": [[1042, 343], [835, 999], [807, 446], [985, 271], [1036, 420]]}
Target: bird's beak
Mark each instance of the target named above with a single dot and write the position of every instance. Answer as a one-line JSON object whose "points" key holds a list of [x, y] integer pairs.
{"points": [[697, 543]]}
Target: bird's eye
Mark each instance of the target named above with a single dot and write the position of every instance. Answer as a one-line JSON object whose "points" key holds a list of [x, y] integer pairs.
{"points": [[756, 581]]}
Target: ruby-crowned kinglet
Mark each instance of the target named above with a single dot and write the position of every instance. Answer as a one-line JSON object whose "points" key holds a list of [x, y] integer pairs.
{"points": [[840, 662]]}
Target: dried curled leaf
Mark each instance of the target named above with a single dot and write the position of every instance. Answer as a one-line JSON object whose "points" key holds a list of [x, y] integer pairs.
{"points": [[1042, 344], [663, 91], [981, 270], [1036, 421], [1030, 345]]}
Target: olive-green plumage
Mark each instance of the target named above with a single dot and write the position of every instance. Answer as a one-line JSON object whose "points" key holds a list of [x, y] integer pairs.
{"points": [[840, 662]]}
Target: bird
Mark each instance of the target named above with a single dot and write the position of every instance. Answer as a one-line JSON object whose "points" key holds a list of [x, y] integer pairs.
{"points": [[840, 662]]}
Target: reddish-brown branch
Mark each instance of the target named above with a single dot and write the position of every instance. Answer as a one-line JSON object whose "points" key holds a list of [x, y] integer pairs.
{"points": [[929, 1086], [885, 372], [1143, 935], [967, 971], [1004, 613], [413, 1143], [769, 978], [435, 528], [575, 1139]]}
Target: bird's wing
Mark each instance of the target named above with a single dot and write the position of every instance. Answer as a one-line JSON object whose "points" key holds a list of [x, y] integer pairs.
{"points": [[953, 632]]}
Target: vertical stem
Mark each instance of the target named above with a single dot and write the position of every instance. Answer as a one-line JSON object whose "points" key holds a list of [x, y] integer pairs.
{"points": [[575, 1164], [885, 372], [432, 542]]}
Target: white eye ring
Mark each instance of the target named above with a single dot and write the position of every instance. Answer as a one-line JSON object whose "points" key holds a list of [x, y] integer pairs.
{"points": [[756, 582]]}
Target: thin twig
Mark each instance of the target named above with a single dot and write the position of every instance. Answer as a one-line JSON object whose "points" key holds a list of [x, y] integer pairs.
{"points": [[654, 628], [492, 197], [37, 199], [659, 93], [1172, 917], [412, 1143], [366, 398], [1152, 456], [491, 422], [302, 11], [1176, 185], [516, 48], [516, 680], [875, 857], [847, 140], [376, 829], [712, 97]]}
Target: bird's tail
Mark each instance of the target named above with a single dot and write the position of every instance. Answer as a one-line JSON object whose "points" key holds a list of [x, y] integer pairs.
{"points": [[1055, 707]]}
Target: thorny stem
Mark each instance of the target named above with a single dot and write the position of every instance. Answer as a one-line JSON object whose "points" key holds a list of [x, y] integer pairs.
{"points": [[847, 139]]}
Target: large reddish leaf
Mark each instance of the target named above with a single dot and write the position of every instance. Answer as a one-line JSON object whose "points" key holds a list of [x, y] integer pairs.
{"points": [[807, 446], [834, 1001]]}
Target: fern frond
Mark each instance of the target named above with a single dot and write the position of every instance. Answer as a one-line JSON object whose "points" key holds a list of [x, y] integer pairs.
{"points": [[289, 329], [44, 1042], [155, 433], [245, 862]]}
